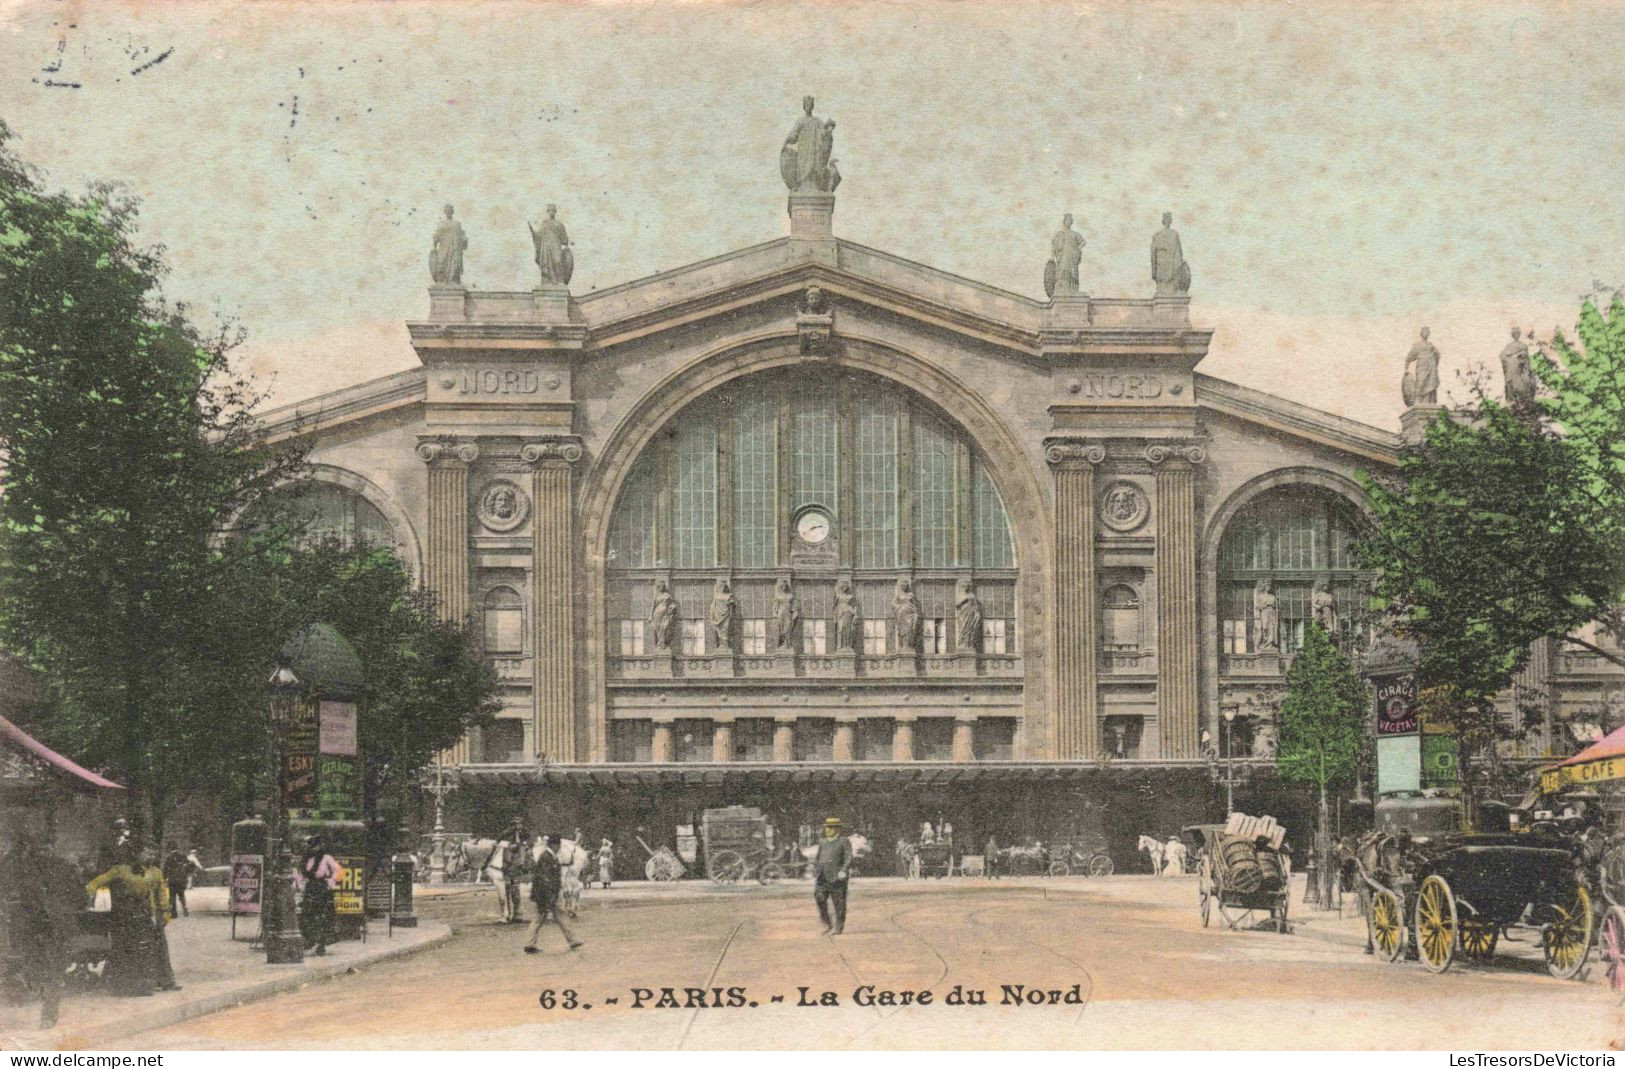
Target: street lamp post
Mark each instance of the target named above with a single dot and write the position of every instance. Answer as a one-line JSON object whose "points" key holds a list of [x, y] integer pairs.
{"points": [[439, 787], [283, 943], [1227, 733]]}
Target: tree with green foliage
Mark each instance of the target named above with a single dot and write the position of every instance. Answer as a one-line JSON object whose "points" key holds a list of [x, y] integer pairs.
{"points": [[127, 441], [1322, 732]]}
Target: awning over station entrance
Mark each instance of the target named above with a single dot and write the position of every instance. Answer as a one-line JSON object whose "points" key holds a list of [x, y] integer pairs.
{"points": [[859, 773], [1600, 762]]}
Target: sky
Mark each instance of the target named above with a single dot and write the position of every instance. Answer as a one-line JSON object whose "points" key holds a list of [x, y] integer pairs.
{"points": [[1340, 173]]}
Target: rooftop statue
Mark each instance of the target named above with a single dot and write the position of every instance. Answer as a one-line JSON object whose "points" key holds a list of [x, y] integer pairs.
{"points": [[1168, 267], [1066, 253], [1520, 384], [553, 254], [805, 161], [446, 253], [1421, 383]]}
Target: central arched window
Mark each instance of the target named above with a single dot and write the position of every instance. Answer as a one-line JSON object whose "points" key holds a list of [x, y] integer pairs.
{"points": [[826, 477], [1276, 554]]}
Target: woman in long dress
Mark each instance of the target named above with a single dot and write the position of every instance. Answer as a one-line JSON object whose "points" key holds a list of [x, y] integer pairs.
{"points": [[137, 966], [317, 877]]}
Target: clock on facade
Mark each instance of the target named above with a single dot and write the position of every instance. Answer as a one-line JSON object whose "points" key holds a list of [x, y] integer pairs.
{"points": [[813, 526]]}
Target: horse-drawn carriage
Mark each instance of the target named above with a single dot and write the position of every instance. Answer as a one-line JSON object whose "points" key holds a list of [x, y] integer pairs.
{"points": [[1085, 857], [738, 846], [1456, 895], [1238, 876]]}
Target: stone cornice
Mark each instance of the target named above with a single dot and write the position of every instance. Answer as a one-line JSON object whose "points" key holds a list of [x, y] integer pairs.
{"points": [[400, 390], [1299, 421]]}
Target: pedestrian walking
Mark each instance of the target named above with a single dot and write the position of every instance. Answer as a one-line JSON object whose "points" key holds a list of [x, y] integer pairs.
{"points": [[545, 887], [139, 963], [606, 862], [832, 868], [317, 877], [42, 894], [990, 859], [178, 870], [516, 870]]}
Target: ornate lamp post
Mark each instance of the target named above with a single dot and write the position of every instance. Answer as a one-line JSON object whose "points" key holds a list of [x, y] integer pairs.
{"points": [[1229, 775], [439, 786], [283, 943]]}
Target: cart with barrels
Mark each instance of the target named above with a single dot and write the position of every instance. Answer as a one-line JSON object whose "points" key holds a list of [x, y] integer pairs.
{"points": [[1238, 877]]}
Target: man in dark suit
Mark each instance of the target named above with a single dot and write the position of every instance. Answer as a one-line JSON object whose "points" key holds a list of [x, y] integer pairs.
{"points": [[832, 868], [545, 885]]}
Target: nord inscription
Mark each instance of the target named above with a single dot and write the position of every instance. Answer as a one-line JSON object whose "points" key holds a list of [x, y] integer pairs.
{"points": [[1120, 387], [494, 381]]}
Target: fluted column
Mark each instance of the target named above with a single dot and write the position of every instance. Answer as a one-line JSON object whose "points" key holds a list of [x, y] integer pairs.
{"points": [[965, 739], [845, 737], [1177, 641], [722, 742], [902, 740], [784, 740], [446, 564], [553, 565], [1077, 693]]}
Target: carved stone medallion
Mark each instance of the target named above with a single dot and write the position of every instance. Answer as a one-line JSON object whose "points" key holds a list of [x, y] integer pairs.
{"points": [[1123, 507], [503, 506]]}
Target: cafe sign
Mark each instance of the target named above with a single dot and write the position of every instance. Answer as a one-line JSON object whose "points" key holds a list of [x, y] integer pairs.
{"points": [[1601, 771]]}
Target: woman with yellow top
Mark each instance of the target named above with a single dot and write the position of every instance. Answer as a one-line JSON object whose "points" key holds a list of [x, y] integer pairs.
{"points": [[140, 960]]}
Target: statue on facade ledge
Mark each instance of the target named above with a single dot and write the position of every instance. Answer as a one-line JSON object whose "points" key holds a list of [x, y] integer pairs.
{"points": [[446, 252], [663, 617], [1421, 383], [967, 618], [846, 616], [905, 610], [1168, 267], [553, 255], [1323, 607], [1266, 617], [724, 613], [786, 616], [1519, 378], [1066, 253]]}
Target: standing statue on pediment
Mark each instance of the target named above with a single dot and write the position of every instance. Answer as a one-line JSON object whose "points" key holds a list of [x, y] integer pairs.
{"points": [[1266, 616], [663, 617], [553, 255], [1421, 383], [446, 252], [846, 616], [1168, 267], [905, 611], [722, 617], [967, 618], [804, 159], [1066, 254], [786, 616], [1519, 378]]}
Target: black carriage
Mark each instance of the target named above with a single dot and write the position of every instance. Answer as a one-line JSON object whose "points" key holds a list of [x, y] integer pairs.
{"points": [[1456, 896], [736, 840], [1237, 877], [935, 859]]}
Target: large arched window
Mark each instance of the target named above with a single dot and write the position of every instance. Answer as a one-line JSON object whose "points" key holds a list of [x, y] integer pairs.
{"points": [[322, 512], [1276, 554], [818, 473]]}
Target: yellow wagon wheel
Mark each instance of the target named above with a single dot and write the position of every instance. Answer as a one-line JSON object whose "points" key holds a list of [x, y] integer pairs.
{"points": [[1387, 920], [1436, 924], [1478, 939], [1566, 939]]}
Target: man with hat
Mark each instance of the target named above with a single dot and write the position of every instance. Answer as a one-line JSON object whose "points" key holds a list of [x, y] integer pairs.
{"points": [[832, 868], [545, 886]]}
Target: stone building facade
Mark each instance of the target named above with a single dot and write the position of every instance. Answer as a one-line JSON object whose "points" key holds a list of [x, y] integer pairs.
{"points": [[810, 517]]}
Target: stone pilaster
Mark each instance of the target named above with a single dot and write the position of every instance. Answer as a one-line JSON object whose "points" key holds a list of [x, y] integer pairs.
{"points": [[553, 563], [1076, 732], [902, 740], [1177, 641], [446, 566], [784, 740], [965, 739], [845, 740], [722, 742], [660, 751]]}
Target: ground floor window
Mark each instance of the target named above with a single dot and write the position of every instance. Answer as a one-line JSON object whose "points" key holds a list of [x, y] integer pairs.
{"points": [[631, 741], [873, 741], [934, 739], [503, 742], [1122, 736], [815, 740], [753, 739], [995, 739], [691, 740]]}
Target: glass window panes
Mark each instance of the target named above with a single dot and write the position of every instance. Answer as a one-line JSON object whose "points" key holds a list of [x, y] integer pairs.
{"points": [[324, 512], [813, 435], [694, 494], [875, 495], [995, 636], [754, 636], [756, 483], [874, 637], [693, 635], [935, 509], [632, 634], [992, 526], [815, 637], [632, 538], [933, 636]]}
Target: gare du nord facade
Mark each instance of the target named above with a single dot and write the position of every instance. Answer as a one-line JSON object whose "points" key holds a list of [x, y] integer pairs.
{"points": [[821, 530]]}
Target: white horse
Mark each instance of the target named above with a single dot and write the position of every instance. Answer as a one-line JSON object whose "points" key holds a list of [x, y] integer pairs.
{"points": [[486, 856], [1154, 848]]}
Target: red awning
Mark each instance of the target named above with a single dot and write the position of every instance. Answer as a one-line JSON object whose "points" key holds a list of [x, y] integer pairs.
{"points": [[14, 737], [1610, 745]]}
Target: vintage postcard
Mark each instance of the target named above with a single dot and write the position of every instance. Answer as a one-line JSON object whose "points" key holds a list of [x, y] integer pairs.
{"points": [[812, 525]]}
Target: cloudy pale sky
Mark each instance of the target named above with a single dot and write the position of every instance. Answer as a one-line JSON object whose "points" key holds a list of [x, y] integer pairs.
{"points": [[1341, 173]]}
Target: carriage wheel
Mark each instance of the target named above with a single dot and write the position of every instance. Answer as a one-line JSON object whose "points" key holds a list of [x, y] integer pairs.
{"points": [[1207, 907], [1436, 924], [1611, 949], [1101, 865], [770, 873], [1386, 920], [727, 867], [1478, 939], [1566, 938], [1059, 868]]}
